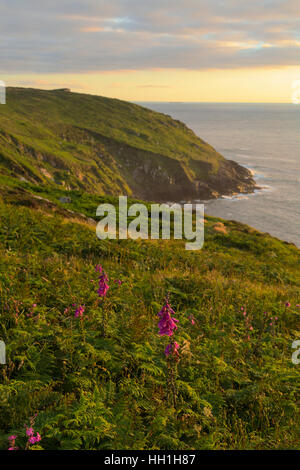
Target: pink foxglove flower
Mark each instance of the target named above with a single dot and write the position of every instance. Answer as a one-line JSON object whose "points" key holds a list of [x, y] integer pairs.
{"points": [[34, 439], [167, 323], [12, 442], [172, 349], [103, 285], [79, 311]]}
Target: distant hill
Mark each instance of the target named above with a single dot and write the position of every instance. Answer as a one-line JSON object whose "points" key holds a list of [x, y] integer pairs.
{"points": [[107, 146]]}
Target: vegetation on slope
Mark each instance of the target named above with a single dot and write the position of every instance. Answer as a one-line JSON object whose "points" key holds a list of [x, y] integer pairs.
{"points": [[108, 146], [237, 387]]}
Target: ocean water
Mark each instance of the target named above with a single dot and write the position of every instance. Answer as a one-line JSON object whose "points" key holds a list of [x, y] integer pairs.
{"points": [[264, 138]]}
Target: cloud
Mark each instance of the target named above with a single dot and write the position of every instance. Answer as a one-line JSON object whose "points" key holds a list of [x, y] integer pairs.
{"points": [[70, 36]]}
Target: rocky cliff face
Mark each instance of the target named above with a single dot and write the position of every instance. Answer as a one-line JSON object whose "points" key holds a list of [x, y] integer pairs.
{"points": [[231, 178], [156, 184], [107, 146]]}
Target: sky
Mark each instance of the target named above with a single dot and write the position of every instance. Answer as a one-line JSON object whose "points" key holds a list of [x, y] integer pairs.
{"points": [[156, 50]]}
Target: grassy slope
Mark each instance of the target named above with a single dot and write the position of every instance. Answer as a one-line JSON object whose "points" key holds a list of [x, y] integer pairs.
{"points": [[95, 392], [88, 142], [123, 121]]}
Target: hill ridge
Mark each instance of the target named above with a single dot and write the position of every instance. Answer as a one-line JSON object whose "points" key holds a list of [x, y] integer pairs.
{"points": [[107, 146]]}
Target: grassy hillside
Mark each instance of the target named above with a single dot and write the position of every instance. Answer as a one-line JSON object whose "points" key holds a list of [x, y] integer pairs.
{"points": [[100, 381], [108, 146], [88, 373]]}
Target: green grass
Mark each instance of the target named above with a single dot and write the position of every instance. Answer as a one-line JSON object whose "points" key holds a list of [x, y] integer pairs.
{"points": [[236, 388], [96, 392], [120, 120], [100, 145]]}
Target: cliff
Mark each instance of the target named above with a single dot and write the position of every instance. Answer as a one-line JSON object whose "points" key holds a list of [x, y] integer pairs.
{"points": [[107, 146]]}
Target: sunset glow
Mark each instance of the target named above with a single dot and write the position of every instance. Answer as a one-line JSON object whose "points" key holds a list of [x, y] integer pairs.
{"points": [[165, 51]]}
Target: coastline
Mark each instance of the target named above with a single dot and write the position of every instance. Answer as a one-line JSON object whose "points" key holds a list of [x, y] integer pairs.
{"points": [[233, 195]]}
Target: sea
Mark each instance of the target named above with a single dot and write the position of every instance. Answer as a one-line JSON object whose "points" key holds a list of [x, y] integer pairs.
{"points": [[264, 138]]}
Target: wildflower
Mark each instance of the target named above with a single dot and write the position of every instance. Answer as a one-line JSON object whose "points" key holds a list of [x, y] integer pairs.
{"points": [[31, 312], [118, 281], [34, 439], [103, 286], [103, 281], [79, 311], [273, 322], [172, 349], [192, 319], [287, 304], [251, 328], [167, 323], [12, 443]]}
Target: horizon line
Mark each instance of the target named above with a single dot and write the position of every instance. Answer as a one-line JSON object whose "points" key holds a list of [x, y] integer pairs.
{"points": [[151, 101], [215, 102]]}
